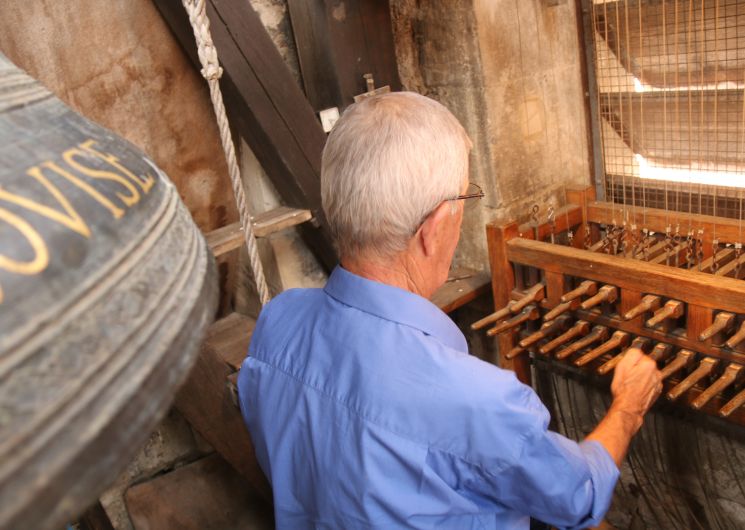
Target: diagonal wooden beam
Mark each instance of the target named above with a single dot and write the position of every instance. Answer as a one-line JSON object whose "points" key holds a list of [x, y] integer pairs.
{"points": [[266, 106], [339, 42]]}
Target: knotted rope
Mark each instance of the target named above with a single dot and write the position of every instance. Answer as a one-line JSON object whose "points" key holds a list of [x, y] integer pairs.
{"points": [[212, 72]]}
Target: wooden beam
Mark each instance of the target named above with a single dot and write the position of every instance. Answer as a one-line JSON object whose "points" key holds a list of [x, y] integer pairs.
{"points": [[266, 106], [727, 230], [647, 277], [339, 42]]}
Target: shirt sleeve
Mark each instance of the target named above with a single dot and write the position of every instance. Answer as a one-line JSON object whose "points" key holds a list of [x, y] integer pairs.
{"points": [[530, 469]]}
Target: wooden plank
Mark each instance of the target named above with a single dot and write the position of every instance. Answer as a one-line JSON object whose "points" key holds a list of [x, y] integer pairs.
{"points": [[690, 286], [727, 230], [230, 237], [339, 42], [278, 219], [462, 286], [206, 494], [266, 106], [730, 268], [205, 401], [225, 239], [724, 256]]}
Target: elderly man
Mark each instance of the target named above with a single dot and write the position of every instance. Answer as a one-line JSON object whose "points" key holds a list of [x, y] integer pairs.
{"points": [[364, 406]]}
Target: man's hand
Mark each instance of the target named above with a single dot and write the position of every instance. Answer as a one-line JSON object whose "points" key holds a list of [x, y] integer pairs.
{"points": [[636, 385]]}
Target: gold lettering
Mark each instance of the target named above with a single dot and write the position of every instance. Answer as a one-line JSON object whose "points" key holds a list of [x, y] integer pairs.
{"points": [[41, 254], [129, 200], [69, 218], [145, 182], [90, 190]]}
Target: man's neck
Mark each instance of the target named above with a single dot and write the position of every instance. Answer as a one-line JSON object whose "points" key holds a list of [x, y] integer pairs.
{"points": [[399, 272]]}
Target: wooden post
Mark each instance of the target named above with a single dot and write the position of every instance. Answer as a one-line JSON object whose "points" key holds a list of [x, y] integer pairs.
{"points": [[698, 319], [581, 197], [630, 298], [205, 400], [503, 282]]}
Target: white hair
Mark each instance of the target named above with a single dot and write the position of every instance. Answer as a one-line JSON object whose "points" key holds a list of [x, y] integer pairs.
{"points": [[388, 162]]}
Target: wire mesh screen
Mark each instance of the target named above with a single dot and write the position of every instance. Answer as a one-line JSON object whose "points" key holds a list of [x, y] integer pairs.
{"points": [[670, 82]]}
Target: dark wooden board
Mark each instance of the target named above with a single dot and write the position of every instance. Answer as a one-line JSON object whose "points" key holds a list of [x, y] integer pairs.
{"points": [[204, 495], [337, 43]]}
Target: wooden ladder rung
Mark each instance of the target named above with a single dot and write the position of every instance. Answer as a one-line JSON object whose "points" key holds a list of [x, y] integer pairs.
{"points": [[230, 237]]}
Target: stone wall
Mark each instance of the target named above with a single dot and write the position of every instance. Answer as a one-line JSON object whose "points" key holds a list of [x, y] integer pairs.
{"points": [[510, 71]]}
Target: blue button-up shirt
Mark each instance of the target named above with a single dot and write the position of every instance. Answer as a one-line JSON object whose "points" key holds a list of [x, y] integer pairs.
{"points": [[366, 411]]}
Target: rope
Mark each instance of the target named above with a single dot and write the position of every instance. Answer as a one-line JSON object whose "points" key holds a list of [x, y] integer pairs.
{"points": [[212, 72]]}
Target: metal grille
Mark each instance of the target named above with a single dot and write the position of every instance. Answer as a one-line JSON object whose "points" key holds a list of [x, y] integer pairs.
{"points": [[670, 80]]}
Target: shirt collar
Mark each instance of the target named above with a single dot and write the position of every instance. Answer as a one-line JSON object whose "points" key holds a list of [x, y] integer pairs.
{"points": [[395, 304]]}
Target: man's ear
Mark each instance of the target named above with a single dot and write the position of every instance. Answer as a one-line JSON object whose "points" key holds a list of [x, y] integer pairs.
{"points": [[429, 233]]}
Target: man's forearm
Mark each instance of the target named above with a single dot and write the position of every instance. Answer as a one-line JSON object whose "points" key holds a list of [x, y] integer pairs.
{"points": [[615, 431]]}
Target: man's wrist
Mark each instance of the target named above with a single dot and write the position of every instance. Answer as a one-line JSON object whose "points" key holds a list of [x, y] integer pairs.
{"points": [[629, 417]]}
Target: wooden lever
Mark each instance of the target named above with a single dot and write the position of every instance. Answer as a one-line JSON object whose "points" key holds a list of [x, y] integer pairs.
{"points": [[546, 329], [561, 309], [731, 374], [497, 315], [535, 294], [640, 343], [514, 352], [618, 339], [607, 293], [660, 352], [733, 404], [529, 313], [672, 309], [722, 322], [737, 338], [681, 360], [598, 333], [705, 367], [650, 302], [580, 329], [586, 288], [549, 328]]}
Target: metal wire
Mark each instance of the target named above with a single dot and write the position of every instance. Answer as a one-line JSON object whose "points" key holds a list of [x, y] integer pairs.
{"points": [[690, 53]]}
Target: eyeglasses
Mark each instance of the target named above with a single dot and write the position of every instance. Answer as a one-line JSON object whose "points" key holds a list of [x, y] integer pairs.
{"points": [[471, 196]]}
